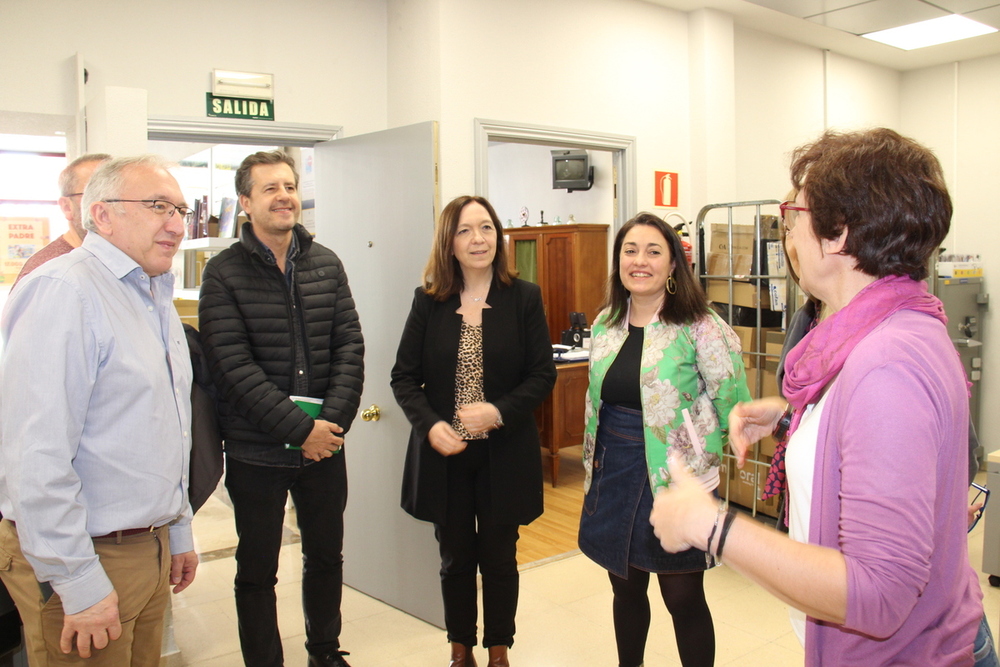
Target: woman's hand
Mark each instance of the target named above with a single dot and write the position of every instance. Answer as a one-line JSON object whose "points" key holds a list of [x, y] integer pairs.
{"points": [[683, 513], [444, 440], [478, 417], [749, 422]]}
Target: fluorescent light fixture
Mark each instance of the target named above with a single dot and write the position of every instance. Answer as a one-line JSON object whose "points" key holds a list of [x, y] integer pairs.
{"points": [[228, 83], [941, 30]]}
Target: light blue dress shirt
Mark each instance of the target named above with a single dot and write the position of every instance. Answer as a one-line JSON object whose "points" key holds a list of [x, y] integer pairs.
{"points": [[95, 414]]}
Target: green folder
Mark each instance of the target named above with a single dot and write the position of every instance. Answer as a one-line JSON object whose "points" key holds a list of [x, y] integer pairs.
{"points": [[311, 406]]}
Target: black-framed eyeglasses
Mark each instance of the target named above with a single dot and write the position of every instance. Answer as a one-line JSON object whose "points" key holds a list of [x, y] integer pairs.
{"points": [[982, 494], [789, 218], [158, 206]]}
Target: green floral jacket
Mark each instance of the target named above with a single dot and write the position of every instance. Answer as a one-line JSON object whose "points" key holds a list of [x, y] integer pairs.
{"points": [[697, 367]]}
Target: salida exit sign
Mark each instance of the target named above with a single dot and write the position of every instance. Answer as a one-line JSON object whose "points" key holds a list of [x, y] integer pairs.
{"points": [[239, 107]]}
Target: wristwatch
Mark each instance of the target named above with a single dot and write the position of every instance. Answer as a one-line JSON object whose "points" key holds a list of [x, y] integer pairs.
{"points": [[781, 428]]}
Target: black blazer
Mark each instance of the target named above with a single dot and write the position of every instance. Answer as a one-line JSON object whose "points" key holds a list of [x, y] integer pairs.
{"points": [[518, 373]]}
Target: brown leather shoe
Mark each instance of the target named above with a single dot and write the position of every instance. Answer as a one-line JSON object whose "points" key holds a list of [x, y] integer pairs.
{"points": [[498, 656], [461, 656]]}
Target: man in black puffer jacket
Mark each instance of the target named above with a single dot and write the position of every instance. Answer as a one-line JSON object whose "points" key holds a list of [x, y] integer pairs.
{"points": [[278, 323]]}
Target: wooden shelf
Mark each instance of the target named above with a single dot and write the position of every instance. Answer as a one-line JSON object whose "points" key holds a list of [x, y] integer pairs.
{"points": [[207, 243]]}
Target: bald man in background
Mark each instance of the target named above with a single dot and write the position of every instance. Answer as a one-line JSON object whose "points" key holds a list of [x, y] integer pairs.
{"points": [[72, 180]]}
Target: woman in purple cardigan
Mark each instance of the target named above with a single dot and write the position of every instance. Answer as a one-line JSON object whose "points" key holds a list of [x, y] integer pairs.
{"points": [[877, 570]]}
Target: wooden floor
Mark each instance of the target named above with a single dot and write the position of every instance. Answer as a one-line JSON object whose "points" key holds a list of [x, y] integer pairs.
{"points": [[554, 533]]}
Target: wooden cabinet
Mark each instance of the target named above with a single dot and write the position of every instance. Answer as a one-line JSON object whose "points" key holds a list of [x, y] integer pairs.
{"points": [[561, 416], [569, 263]]}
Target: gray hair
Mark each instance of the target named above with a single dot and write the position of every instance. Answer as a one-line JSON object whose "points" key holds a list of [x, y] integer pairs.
{"points": [[109, 181], [68, 182]]}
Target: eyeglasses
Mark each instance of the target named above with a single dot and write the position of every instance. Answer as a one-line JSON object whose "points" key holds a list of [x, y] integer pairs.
{"points": [[982, 494], [158, 206], [789, 218]]}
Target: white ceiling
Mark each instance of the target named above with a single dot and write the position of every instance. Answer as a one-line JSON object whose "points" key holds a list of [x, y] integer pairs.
{"points": [[836, 24]]}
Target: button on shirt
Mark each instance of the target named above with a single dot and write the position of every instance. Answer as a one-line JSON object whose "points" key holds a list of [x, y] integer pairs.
{"points": [[95, 414]]}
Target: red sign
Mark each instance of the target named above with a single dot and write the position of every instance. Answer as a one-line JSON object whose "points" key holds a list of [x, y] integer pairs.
{"points": [[666, 189]]}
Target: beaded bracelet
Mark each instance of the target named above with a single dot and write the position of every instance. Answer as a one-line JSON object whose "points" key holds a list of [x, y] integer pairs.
{"points": [[715, 526], [726, 525]]}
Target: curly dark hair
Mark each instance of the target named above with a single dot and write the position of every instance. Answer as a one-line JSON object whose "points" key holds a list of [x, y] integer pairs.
{"points": [[886, 189]]}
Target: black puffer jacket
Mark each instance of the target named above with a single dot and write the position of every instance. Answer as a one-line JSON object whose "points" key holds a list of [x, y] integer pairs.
{"points": [[245, 317]]}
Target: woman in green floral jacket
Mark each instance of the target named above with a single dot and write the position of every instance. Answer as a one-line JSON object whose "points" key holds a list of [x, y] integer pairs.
{"points": [[665, 371]]}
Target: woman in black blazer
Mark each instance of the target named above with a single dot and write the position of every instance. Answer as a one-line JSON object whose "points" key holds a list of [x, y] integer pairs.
{"points": [[474, 362]]}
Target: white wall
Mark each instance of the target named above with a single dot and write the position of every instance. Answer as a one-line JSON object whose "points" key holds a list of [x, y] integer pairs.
{"points": [[521, 175], [788, 93], [328, 57], [612, 66], [955, 108]]}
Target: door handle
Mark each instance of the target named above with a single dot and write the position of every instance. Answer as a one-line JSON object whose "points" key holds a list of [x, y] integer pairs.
{"points": [[371, 413], [966, 342]]}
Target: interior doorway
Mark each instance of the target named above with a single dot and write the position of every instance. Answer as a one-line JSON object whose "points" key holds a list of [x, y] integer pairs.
{"points": [[621, 148]]}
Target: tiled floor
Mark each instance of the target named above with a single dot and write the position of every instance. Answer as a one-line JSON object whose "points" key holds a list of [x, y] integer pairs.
{"points": [[564, 615]]}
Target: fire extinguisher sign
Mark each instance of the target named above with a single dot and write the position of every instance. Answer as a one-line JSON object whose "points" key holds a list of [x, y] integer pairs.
{"points": [[666, 189]]}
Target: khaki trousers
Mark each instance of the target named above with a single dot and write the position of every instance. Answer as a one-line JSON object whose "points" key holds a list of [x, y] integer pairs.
{"points": [[139, 569]]}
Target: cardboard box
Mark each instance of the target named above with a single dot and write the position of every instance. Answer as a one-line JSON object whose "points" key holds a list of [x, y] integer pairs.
{"points": [[768, 379], [774, 340], [748, 343], [744, 294], [742, 239], [718, 264], [743, 487]]}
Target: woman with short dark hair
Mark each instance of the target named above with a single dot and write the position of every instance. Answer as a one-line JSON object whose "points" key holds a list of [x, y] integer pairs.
{"points": [[877, 569]]}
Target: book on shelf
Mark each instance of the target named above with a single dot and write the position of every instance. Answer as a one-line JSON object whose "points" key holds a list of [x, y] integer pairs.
{"points": [[227, 217]]}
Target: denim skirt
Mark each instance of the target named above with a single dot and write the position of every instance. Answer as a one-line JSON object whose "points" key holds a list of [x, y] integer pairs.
{"points": [[615, 531]]}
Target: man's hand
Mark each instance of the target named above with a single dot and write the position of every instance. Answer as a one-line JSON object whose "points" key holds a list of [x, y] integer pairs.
{"points": [[182, 569], [96, 625], [445, 440], [478, 417], [323, 442], [749, 422]]}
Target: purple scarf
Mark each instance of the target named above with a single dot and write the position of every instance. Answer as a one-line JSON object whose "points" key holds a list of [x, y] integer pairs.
{"points": [[813, 364]]}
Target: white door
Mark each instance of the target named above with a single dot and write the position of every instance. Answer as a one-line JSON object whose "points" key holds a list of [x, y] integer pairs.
{"points": [[375, 207]]}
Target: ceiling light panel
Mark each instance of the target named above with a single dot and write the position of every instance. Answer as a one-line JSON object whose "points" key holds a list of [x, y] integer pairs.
{"points": [[942, 30], [878, 15]]}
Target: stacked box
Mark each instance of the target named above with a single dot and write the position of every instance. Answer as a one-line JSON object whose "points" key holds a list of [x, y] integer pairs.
{"points": [[743, 487]]}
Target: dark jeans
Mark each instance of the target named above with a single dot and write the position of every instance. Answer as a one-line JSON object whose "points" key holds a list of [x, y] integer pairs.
{"points": [[984, 652], [471, 539], [258, 492]]}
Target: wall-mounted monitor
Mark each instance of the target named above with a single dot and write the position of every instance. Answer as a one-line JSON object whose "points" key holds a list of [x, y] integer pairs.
{"points": [[571, 170]]}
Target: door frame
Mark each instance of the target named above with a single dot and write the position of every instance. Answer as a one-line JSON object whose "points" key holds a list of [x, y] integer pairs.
{"points": [[237, 131], [621, 146]]}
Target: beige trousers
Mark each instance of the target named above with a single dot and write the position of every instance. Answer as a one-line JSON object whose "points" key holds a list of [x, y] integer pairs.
{"points": [[139, 569]]}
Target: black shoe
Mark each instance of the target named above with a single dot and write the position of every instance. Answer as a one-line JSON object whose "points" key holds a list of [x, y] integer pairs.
{"points": [[331, 659]]}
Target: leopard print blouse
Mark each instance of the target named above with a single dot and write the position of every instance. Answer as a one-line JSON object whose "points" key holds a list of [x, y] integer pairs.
{"points": [[469, 376]]}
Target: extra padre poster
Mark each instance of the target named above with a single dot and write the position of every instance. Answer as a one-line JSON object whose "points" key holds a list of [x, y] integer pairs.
{"points": [[20, 238]]}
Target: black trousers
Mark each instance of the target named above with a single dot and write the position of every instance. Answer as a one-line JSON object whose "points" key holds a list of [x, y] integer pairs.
{"points": [[259, 492], [469, 540]]}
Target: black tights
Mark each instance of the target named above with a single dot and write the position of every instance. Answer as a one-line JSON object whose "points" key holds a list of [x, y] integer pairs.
{"points": [[684, 595]]}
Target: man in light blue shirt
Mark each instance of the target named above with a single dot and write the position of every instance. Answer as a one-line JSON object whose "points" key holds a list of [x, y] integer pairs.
{"points": [[95, 423]]}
